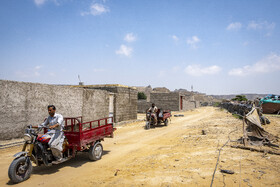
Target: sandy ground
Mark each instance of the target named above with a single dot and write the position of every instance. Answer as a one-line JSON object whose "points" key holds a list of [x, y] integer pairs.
{"points": [[176, 155]]}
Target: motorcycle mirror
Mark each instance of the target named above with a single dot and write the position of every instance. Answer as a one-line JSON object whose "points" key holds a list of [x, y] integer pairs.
{"points": [[29, 126]]}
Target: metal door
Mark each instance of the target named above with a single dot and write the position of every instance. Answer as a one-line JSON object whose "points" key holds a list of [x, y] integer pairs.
{"points": [[181, 102]]}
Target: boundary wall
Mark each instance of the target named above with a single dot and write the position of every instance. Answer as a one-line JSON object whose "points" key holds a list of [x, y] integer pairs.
{"points": [[125, 101], [23, 103]]}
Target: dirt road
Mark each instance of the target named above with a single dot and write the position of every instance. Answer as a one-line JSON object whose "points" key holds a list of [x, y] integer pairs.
{"points": [[176, 155]]}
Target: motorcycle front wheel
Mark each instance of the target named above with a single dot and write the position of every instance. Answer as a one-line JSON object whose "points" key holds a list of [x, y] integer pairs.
{"points": [[20, 169]]}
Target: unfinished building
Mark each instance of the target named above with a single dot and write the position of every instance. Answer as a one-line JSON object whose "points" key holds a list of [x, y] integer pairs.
{"points": [[167, 100]]}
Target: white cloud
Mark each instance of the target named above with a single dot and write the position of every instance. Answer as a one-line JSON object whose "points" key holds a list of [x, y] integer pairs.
{"points": [[39, 2], [264, 25], [234, 26], [197, 70], [130, 37], [193, 41], [56, 2], [261, 25], [96, 9], [254, 25], [124, 50], [37, 67], [175, 38], [32, 72], [268, 64]]}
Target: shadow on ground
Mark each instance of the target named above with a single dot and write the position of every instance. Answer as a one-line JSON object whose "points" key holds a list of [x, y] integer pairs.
{"points": [[80, 159], [154, 126]]}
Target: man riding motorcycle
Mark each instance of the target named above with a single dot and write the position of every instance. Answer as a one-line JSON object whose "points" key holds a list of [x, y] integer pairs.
{"points": [[153, 110], [55, 124]]}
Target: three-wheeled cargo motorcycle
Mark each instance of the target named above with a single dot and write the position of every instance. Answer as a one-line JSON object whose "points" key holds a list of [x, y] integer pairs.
{"points": [[163, 116], [79, 136]]}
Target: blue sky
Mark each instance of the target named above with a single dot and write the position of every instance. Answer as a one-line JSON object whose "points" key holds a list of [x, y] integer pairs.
{"points": [[219, 47]]}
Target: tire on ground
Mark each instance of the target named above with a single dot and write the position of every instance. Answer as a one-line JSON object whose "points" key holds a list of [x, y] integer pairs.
{"points": [[166, 122], [16, 172], [95, 152]]}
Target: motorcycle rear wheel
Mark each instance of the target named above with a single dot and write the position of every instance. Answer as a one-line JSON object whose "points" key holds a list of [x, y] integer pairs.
{"points": [[17, 172], [96, 151], [166, 122]]}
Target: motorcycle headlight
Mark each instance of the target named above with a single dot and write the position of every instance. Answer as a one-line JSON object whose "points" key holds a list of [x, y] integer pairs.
{"points": [[27, 137]]}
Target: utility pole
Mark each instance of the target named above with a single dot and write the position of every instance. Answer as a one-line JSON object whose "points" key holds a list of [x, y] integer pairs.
{"points": [[80, 83]]}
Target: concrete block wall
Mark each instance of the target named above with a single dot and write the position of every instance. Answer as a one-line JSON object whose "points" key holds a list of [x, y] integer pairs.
{"points": [[143, 105], [13, 109], [166, 101], [24, 103], [188, 105], [197, 104], [95, 104], [125, 102]]}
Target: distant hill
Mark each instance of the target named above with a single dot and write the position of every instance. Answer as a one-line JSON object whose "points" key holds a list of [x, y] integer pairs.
{"points": [[248, 96]]}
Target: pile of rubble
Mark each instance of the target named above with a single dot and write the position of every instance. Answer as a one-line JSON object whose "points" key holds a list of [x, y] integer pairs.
{"points": [[237, 108], [242, 109]]}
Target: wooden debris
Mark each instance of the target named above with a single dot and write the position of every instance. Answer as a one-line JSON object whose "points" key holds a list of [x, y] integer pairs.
{"points": [[116, 173], [178, 115], [227, 171], [255, 149]]}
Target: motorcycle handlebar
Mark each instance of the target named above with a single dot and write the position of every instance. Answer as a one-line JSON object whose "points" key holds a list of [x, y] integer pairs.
{"points": [[38, 129]]}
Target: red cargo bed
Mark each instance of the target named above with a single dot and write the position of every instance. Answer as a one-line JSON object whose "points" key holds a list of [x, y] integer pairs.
{"points": [[81, 134]]}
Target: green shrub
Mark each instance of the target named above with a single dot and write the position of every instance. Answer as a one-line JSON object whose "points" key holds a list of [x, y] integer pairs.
{"points": [[141, 95], [239, 98], [237, 116], [216, 104]]}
